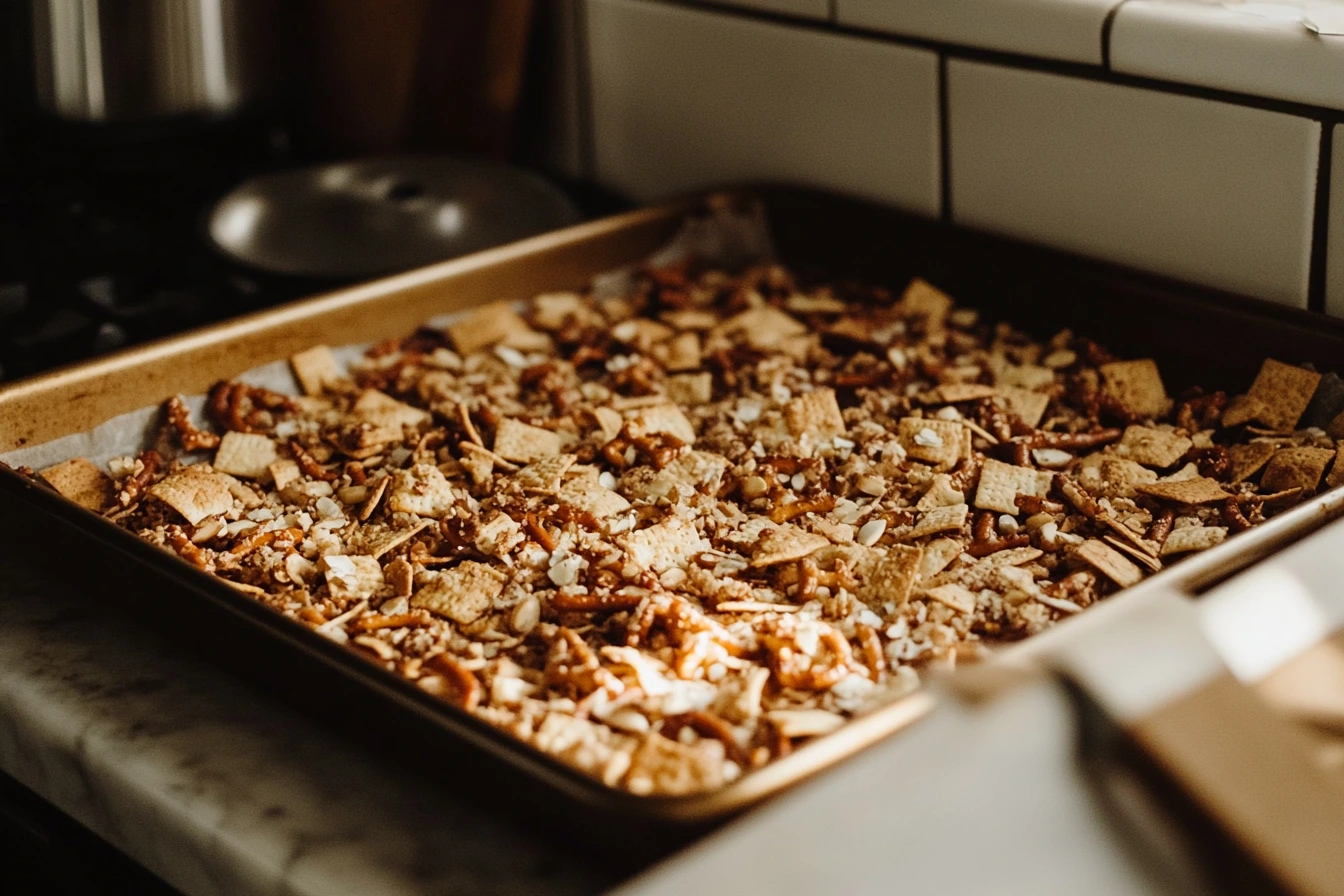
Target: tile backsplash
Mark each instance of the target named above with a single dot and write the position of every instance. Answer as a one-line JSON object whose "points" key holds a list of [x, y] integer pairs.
{"points": [[1178, 185], [1176, 137], [685, 98]]}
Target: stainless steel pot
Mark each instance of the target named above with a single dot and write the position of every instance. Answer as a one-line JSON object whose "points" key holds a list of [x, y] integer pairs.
{"points": [[126, 60]]}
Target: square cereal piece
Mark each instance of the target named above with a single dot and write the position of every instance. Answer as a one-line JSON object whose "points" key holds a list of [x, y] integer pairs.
{"points": [[1119, 477], [315, 369], [784, 544], [421, 490], [80, 480], [498, 534], [543, 477], [666, 418], [923, 299], [195, 493], [245, 454], [462, 594], [1247, 459], [1001, 483], [1153, 446], [1136, 385], [1197, 490], [1025, 403], [938, 442], [384, 412], [891, 578], [1296, 468], [682, 352], [1192, 538], [352, 577], [816, 412], [673, 542], [285, 472], [1026, 376], [763, 327], [1279, 395], [552, 310], [691, 388], [940, 519], [520, 442], [958, 597], [1109, 562], [938, 554], [485, 326], [586, 492], [375, 540]]}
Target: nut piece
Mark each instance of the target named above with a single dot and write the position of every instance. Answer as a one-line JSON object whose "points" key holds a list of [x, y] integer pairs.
{"points": [[82, 482]]}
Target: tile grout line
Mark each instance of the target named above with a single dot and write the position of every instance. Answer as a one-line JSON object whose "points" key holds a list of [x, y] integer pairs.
{"points": [[944, 141], [1320, 224], [1107, 24]]}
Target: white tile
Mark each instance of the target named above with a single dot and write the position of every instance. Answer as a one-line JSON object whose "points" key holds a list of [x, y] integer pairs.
{"points": [[685, 98], [1198, 190], [1055, 29], [1229, 49], [812, 9], [1334, 252]]}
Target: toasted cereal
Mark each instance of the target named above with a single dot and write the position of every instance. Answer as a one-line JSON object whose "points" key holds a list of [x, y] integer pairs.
{"points": [[249, 455], [352, 577], [1248, 459], [924, 300], [1193, 538], [1136, 385], [1025, 403], [80, 480], [1199, 490], [195, 492], [1001, 483], [421, 490], [938, 442], [1109, 562], [521, 442], [951, 393], [463, 593], [662, 418], [940, 519], [785, 543], [1296, 468], [816, 412], [543, 477], [691, 388], [1153, 446], [938, 554], [952, 595], [315, 369], [485, 326], [1279, 395], [762, 327], [1335, 478]]}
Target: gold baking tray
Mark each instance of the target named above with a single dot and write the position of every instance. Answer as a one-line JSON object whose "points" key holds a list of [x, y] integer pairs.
{"points": [[1196, 335]]}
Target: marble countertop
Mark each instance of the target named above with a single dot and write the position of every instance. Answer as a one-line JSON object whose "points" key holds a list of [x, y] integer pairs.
{"points": [[216, 788]]}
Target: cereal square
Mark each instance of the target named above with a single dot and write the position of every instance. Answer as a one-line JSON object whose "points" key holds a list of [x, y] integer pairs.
{"points": [[485, 326], [80, 480], [786, 543], [683, 352], [666, 418], [1192, 538], [923, 299], [1153, 446], [1281, 392], [958, 597], [421, 490], [195, 493], [518, 441], [462, 594], [1198, 490], [1109, 562], [316, 369], [285, 472], [816, 412], [352, 577], [1025, 403], [244, 454], [1119, 477], [543, 477], [941, 519], [1296, 468], [763, 327], [1136, 385], [1001, 483], [938, 442], [673, 542], [691, 388]]}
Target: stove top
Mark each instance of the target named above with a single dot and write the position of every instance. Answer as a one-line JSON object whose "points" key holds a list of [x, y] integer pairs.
{"points": [[88, 266]]}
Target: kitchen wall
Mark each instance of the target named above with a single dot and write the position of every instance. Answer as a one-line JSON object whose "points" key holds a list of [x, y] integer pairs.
{"points": [[1189, 139]]}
